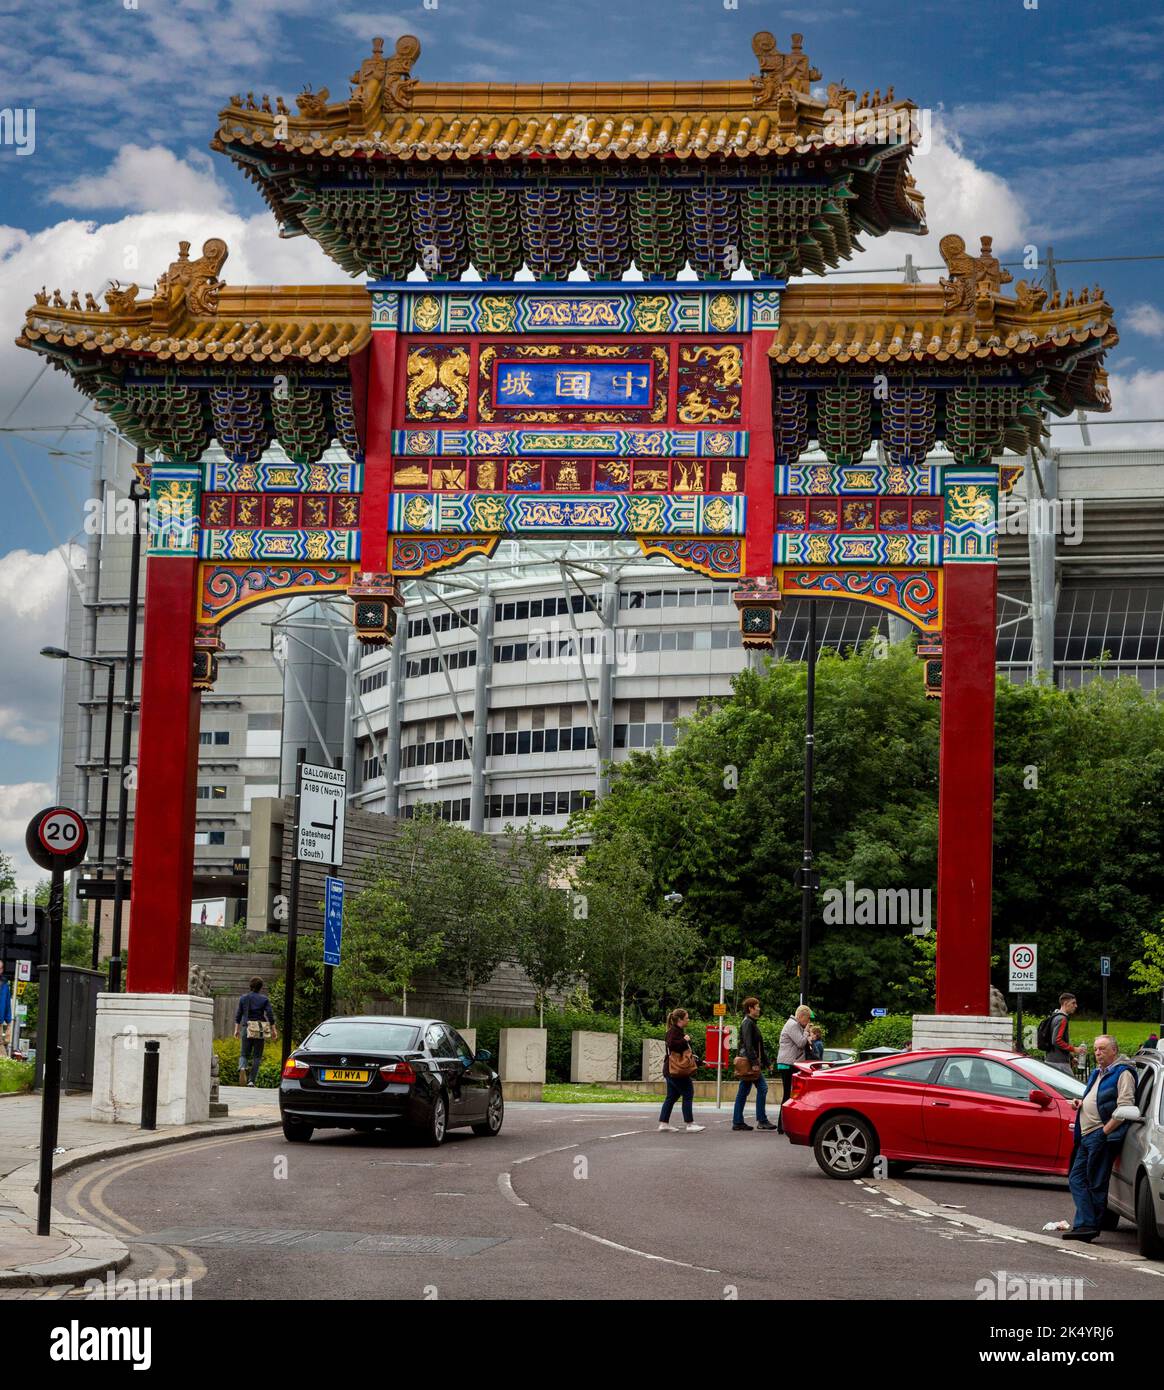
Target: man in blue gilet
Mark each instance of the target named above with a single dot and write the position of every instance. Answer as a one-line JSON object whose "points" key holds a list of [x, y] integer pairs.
{"points": [[1100, 1126]]}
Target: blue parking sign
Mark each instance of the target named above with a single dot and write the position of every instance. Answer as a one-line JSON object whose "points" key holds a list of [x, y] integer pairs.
{"points": [[333, 920]]}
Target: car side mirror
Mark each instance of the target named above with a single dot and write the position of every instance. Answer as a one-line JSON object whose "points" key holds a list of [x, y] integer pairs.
{"points": [[1040, 1098], [483, 1055]]}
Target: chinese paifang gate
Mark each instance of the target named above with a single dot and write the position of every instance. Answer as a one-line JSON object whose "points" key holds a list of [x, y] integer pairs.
{"points": [[676, 411]]}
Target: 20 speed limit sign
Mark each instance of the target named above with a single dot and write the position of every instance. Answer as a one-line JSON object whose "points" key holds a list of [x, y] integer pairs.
{"points": [[1024, 969], [57, 838]]}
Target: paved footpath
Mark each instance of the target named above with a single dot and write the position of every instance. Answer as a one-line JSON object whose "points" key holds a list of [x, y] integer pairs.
{"points": [[76, 1249]]}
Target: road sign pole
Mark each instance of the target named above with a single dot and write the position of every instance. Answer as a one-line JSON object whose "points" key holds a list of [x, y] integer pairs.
{"points": [[47, 1034], [1104, 1029], [719, 1049], [292, 926], [327, 969], [1019, 1044]]}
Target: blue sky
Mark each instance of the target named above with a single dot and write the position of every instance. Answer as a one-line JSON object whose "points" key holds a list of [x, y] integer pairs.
{"points": [[1047, 129]]}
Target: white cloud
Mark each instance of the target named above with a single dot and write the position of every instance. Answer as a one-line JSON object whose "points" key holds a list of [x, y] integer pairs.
{"points": [[33, 589], [1135, 396], [86, 255], [1146, 319], [960, 197], [19, 802], [150, 179]]}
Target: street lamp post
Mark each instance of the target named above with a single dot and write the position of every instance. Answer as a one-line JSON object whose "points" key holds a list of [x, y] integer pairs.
{"points": [[808, 876], [137, 494], [59, 654]]}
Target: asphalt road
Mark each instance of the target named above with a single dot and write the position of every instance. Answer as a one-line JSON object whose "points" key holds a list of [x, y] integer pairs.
{"points": [[574, 1202]]}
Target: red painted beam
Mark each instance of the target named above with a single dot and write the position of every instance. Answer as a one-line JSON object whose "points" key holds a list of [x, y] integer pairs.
{"points": [[966, 789], [378, 453], [167, 775], [760, 472]]}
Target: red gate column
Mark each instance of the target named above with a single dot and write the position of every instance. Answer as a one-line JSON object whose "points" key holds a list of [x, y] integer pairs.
{"points": [[966, 768], [966, 790], [167, 771]]}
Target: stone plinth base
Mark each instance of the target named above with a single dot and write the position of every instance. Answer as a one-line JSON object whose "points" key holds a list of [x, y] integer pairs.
{"points": [[654, 1050], [522, 1090], [183, 1025], [962, 1030], [523, 1058], [593, 1057]]}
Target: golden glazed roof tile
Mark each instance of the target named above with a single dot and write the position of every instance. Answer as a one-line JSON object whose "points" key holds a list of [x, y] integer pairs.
{"points": [[914, 324], [193, 316], [392, 114]]}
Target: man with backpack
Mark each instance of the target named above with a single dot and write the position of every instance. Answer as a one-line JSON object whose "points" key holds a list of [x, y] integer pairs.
{"points": [[1054, 1036]]}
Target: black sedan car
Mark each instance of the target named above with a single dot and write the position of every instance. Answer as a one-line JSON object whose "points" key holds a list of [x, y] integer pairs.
{"points": [[374, 1072]]}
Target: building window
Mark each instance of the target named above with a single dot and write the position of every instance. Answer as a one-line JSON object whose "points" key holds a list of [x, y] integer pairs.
{"points": [[216, 837], [218, 793]]}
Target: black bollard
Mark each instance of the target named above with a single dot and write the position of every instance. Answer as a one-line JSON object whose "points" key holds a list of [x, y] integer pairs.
{"points": [[149, 1085]]}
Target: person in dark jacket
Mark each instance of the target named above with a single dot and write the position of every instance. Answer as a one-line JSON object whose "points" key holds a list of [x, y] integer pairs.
{"points": [[1061, 1054], [680, 1088], [1100, 1125], [256, 1019], [752, 1047]]}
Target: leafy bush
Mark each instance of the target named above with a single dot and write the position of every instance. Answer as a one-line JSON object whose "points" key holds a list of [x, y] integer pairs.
{"points": [[896, 1030], [15, 1076], [236, 940]]}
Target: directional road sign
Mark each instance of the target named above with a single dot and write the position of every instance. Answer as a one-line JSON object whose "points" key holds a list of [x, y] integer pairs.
{"points": [[322, 795], [333, 920]]}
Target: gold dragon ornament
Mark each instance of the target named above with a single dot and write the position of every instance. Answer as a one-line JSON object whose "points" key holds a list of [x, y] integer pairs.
{"points": [[971, 503], [437, 390]]}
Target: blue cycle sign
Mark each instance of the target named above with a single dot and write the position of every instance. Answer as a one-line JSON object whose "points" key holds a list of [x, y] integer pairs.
{"points": [[333, 920]]}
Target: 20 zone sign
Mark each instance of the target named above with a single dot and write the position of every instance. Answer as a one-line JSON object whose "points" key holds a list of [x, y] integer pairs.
{"points": [[57, 838]]}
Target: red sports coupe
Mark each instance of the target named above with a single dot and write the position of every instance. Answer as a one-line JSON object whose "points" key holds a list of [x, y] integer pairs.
{"points": [[967, 1108]]}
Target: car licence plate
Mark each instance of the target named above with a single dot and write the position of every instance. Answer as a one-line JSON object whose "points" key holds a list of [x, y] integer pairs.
{"points": [[339, 1074]]}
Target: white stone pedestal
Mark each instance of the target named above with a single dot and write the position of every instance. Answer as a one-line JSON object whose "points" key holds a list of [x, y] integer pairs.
{"points": [[962, 1030], [183, 1025], [522, 1064], [593, 1057], [654, 1050]]}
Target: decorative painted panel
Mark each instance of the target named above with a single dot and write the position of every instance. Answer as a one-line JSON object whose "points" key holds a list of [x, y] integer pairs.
{"points": [[717, 559], [971, 506], [173, 510], [490, 311], [412, 556], [579, 361], [915, 595], [860, 479], [558, 384], [224, 590], [619, 514], [282, 477], [662, 443], [438, 384], [280, 545], [568, 475], [709, 389], [876, 548]]}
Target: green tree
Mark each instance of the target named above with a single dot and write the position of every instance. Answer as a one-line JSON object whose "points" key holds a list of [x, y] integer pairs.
{"points": [[393, 936], [545, 941], [1148, 971], [628, 941]]}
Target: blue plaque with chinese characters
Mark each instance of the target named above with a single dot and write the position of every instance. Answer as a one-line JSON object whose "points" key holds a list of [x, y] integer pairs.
{"points": [[573, 383]]}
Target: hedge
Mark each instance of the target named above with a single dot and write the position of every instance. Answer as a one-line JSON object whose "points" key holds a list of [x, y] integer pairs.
{"points": [[227, 1051], [895, 1030]]}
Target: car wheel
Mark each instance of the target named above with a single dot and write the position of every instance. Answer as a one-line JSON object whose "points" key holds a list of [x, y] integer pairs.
{"points": [[845, 1146], [1148, 1233], [433, 1132], [494, 1115], [296, 1133]]}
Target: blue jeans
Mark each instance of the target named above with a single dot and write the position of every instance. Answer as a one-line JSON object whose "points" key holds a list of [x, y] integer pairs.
{"points": [[761, 1086], [678, 1088], [252, 1049], [1090, 1174]]}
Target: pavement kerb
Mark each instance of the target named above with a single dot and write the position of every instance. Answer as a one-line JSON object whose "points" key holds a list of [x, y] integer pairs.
{"points": [[94, 1252]]}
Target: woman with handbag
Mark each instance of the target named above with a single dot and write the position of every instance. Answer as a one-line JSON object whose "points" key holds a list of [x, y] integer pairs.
{"points": [[749, 1068], [256, 1018], [679, 1066]]}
